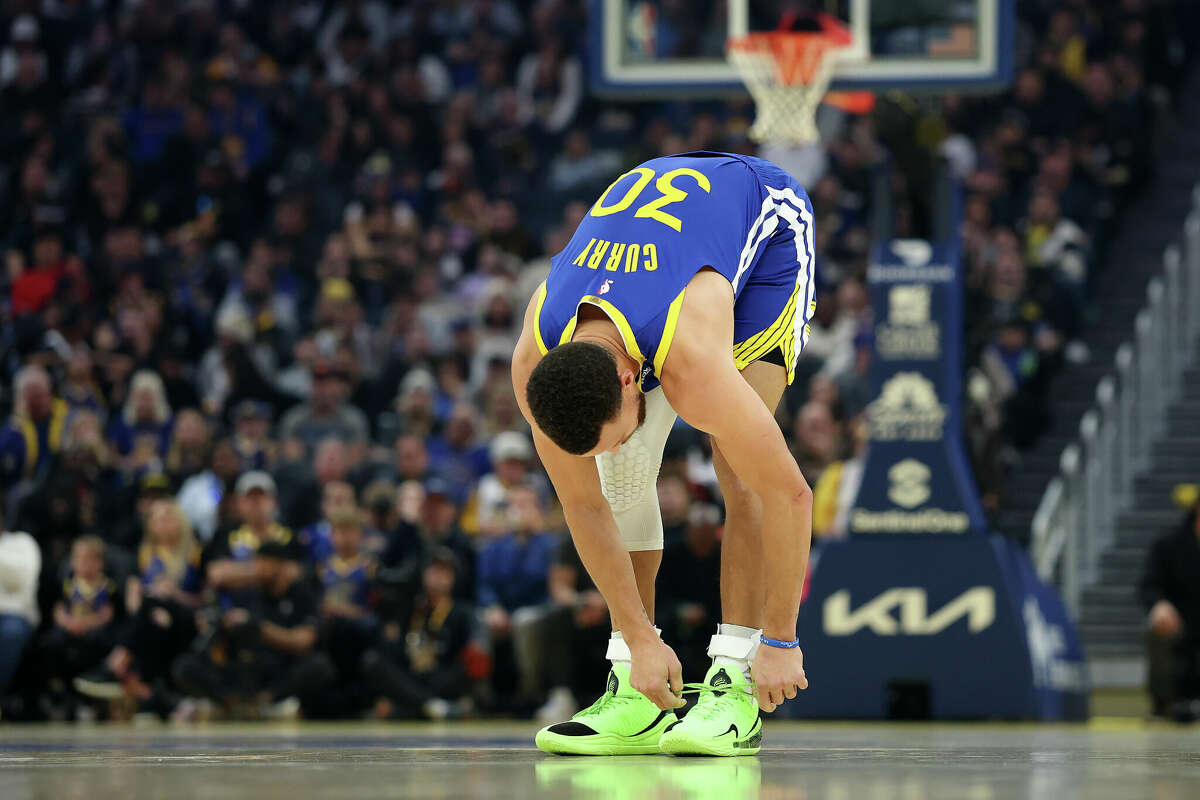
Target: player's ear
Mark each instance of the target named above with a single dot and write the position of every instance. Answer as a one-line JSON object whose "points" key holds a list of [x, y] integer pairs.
{"points": [[628, 378]]}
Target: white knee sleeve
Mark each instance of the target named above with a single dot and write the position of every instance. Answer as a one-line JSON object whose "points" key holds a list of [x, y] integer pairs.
{"points": [[629, 477]]}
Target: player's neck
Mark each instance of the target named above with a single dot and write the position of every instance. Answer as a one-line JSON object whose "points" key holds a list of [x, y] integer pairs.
{"points": [[604, 333]]}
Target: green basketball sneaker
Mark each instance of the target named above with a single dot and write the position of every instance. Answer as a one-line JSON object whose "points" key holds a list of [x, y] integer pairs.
{"points": [[724, 721], [621, 723]]}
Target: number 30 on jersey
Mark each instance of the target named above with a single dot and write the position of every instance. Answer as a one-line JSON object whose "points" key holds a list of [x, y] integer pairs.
{"points": [[669, 194]]}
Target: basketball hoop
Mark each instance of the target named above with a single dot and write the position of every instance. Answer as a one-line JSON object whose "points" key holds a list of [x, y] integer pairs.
{"points": [[788, 73]]}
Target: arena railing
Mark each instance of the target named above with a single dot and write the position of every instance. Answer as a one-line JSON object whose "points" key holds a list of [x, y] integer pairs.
{"points": [[1076, 519]]}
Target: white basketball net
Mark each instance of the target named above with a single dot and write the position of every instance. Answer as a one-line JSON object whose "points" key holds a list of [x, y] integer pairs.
{"points": [[787, 75]]}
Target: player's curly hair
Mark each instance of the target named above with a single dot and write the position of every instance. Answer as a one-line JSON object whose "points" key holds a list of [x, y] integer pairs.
{"points": [[572, 392]]}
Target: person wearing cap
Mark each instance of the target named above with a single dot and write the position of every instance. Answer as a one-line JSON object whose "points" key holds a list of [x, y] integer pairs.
{"points": [[264, 647], [229, 563], [510, 453], [438, 527], [417, 668]]}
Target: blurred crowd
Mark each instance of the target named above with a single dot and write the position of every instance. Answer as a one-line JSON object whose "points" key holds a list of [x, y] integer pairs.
{"points": [[265, 264]]}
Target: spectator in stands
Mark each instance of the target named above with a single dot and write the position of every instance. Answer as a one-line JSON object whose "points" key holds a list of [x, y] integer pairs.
{"points": [[50, 274], [437, 526], [129, 532], [82, 494], [252, 435], [189, 447], [79, 387], [205, 497], [337, 500], [326, 413], [837, 488], [261, 299], [262, 648], [1170, 592], [1055, 243], [674, 501], [419, 666], [229, 559], [510, 453], [689, 587], [552, 85], [160, 602], [818, 440], [580, 170], [458, 457], [853, 389], [412, 459], [20, 565], [513, 591], [347, 578], [83, 616], [142, 431], [830, 345], [30, 440]]}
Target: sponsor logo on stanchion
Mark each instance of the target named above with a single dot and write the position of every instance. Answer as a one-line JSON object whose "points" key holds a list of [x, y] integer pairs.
{"points": [[908, 487], [908, 333], [977, 605], [907, 409]]}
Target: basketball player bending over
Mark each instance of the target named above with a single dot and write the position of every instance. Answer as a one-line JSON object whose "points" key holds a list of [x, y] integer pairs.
{"points": [[686, 289]]}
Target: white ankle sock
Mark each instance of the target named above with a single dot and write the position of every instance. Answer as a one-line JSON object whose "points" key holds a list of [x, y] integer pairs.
{"points": [[618, 651], [735, 646]]}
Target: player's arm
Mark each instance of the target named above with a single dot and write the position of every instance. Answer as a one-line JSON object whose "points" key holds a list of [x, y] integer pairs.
{"points": [[749, 438], [598, 542]]}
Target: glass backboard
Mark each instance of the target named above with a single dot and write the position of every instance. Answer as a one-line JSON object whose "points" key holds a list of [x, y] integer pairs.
{"points": [[665, 47]]}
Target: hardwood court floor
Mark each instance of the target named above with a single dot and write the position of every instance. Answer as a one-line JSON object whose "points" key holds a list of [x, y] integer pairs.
{"points": [[1121, 760]]}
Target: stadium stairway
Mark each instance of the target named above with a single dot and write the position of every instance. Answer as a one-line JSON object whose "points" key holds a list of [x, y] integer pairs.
{"points": [[1111, 622]]}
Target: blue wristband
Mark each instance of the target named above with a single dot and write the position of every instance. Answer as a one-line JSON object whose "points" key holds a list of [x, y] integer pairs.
{"points": [[778, 643]]}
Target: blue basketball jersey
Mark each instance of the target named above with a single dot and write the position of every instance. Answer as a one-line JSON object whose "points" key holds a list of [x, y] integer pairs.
{"points": [[154, 563], [660, 223], [81, 597], [347, 582]]}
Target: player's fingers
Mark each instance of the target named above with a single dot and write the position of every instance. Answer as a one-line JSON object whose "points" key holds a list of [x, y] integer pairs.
{"points": [[675, 678], [765, 703], [789, 691], [803, 682], [661, 698]]}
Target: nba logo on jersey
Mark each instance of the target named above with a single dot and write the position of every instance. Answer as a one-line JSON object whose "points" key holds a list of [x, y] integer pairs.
{"points": [[604, 287]]}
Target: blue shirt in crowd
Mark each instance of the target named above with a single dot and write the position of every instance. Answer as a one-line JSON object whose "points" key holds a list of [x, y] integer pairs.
{"points": [[513, 572]]}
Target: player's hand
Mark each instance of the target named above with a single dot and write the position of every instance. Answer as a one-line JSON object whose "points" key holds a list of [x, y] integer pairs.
{"points": [[656, 673], [778, 674]]}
